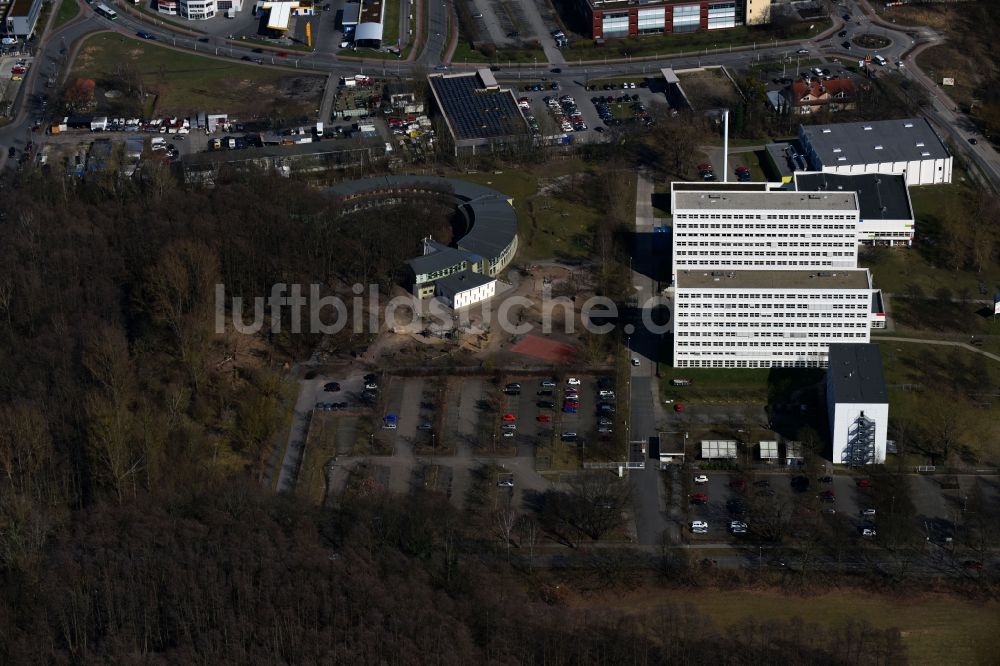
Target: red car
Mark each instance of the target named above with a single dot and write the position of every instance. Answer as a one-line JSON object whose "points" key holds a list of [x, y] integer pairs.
{"points": [[678, 407], [699, 498], [544, 418], [509, 417], [864, 483], [742, 169], [704, 166], [282, 54]]}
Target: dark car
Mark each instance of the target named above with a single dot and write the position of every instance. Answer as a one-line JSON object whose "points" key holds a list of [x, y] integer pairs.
{"points": [[846, 45], [556, 70], [203, 40], [546, 404], [842, 33], [247, 58], [847, 17], [826, 479], [544, 392], [370, 377], [973, 141], [256, 50], [11, 152], [145, 35], [331, 387]]}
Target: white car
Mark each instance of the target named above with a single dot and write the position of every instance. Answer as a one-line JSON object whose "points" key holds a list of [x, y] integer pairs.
{"points": [[802, 51], [866, 532], [699, 527], [604, 393], [635, 360], [738, 527], [868, 513], [701, 478], [573, 381]]}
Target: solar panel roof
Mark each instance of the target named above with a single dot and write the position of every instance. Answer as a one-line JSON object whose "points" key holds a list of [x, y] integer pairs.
{"points": [[474, 112]]}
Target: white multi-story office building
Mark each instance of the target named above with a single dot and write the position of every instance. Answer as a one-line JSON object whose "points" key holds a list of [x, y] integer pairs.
{"points": [[718, 228], [767, 318]]}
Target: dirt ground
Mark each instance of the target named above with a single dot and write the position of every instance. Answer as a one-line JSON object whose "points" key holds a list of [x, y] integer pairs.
{"points": [[708, 89]]}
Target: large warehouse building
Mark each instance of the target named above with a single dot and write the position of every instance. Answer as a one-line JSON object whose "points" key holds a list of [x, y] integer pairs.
{"points": [[909, 147], [478, 112], [858, 404], [767, 319], [630, 18], [717, 228], [886, 215]]}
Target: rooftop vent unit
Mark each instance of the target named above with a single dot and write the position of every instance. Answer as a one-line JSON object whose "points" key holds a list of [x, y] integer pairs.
{"points": [[907, 124], [878, 147], [868, 128], [920, 144], [827, 130], [836, 150], [925, 154]]}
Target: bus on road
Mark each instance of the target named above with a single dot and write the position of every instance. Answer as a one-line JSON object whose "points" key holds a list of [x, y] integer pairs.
{"points": [[106, 12]]}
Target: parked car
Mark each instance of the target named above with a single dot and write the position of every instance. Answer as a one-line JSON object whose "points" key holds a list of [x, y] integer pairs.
{"points": [[737, 527], [547, 383], [568, 437], [864, 483], [545, 404], [701, 478], [509, 418], [699, 527], [331, 387], [544, 418], [699, 498]]}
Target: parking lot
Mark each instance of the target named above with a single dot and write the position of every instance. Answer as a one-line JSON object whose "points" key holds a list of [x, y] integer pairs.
{"points": [[582, 102]]}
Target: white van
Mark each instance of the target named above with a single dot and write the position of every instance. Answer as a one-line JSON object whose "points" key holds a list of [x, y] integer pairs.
{"points": [[881, 61]]}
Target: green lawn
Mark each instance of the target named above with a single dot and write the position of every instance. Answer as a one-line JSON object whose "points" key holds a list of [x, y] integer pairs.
{"points": [[936, 629], [548, 226], [465, 53], [186, 83], [736, 385], [68, 10], [688, 43], [751, 160], [390, 23], [715, 385]]}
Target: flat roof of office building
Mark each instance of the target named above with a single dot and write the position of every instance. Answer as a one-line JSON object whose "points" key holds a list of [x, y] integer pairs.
{"points": [[875, 142], [806, 279], [881, 196], [711, 199], [855, 374], [475, 112]]}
